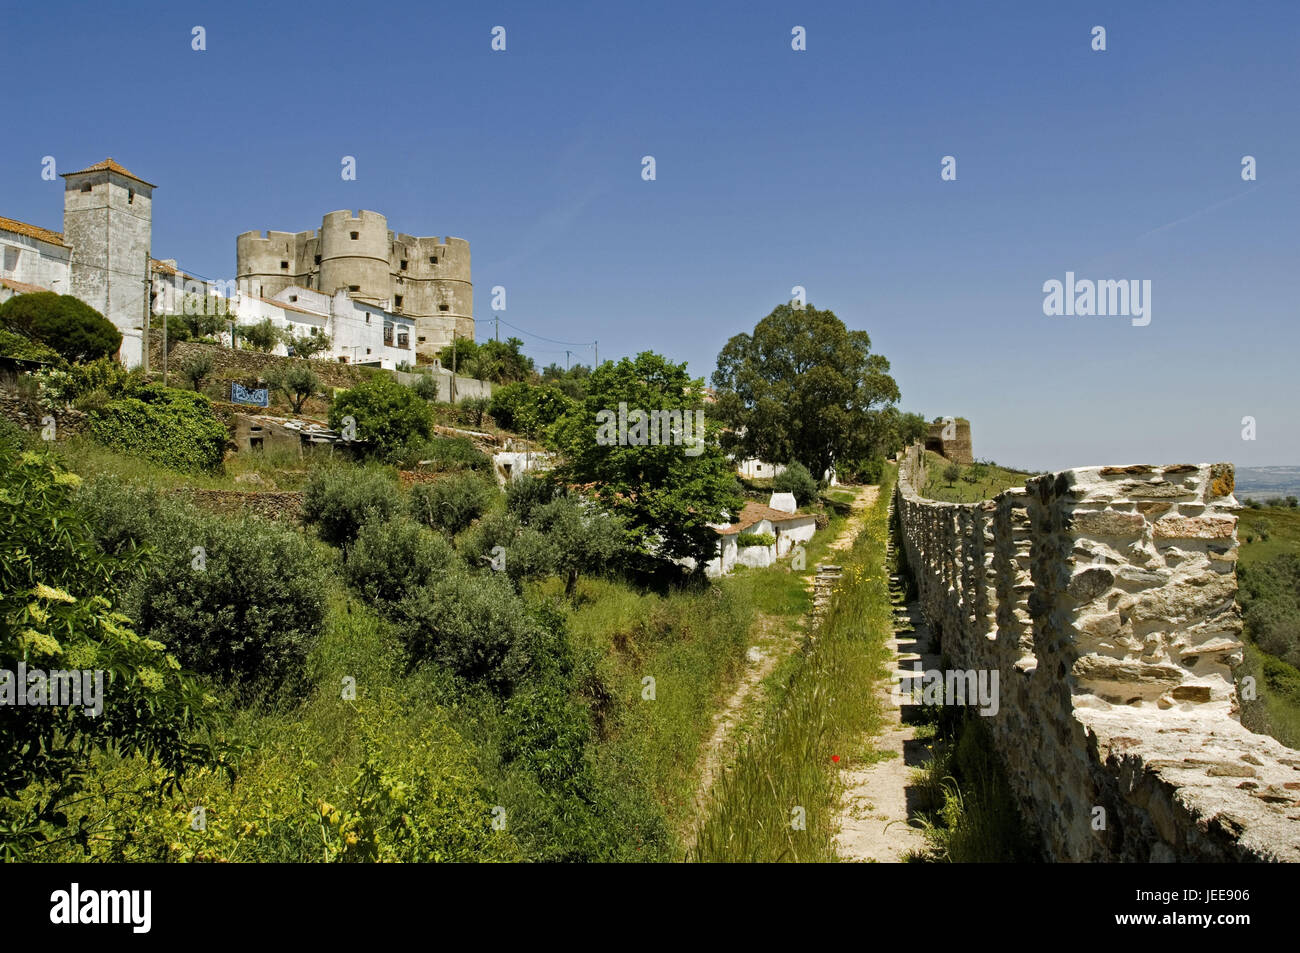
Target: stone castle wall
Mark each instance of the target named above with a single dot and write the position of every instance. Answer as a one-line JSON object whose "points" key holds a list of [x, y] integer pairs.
{"points": [[1104, 598], [956, 447]]}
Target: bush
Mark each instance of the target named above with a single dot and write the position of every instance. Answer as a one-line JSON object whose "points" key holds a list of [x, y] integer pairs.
{"points": [[755, 539], [474, 625], [452, 502], [391, 558], [263, 336], [528, 409], [951, 473], [446, 453], [173, 428], [388, 416], [524, 493], [339, 500], [246, 608], [796, 479], [425, 387], [67, 324], [19, 347], [198, 369]]}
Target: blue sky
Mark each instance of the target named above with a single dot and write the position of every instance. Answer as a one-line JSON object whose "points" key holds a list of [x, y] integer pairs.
{"points": [[775, 168]]}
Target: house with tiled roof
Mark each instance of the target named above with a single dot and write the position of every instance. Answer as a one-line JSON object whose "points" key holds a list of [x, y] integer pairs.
{"points": [[780, 518]]}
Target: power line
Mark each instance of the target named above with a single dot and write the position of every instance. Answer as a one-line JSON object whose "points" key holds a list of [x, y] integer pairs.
{"points": [[544, 338]]}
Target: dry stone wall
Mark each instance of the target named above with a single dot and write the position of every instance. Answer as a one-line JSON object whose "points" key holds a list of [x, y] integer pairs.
{"points": [[1104, 599]]}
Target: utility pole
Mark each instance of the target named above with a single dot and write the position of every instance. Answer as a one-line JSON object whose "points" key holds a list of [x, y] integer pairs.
{"points": [[452, 390], [596, 345], [497, 319], [144, 359], [164, 350], [566, 362]]}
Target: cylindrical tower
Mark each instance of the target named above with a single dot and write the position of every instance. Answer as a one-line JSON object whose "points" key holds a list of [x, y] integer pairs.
{"points": [[354, 255]]}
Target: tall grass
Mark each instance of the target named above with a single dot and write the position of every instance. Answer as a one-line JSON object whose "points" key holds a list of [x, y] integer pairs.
{"points": [[777, 802]]}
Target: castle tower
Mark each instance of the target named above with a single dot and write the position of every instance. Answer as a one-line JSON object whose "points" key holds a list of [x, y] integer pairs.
{"points": [[354, 255], [427, 279], [108, 221]]}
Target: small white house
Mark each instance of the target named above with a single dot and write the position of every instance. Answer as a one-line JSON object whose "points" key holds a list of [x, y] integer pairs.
{"points": [[779, 518]]}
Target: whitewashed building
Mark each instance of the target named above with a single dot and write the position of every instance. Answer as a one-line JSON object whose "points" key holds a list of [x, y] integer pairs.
{"points": [[779, 518]]}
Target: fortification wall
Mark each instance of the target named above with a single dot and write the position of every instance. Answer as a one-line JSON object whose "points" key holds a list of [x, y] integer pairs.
{"points": [[1104, 598]]}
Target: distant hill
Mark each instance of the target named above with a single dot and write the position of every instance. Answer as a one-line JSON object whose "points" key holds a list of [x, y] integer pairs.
{"points": [[1263, 483]]}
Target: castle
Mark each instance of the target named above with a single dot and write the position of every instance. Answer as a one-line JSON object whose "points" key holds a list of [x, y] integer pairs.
{"points": [[370, 289], [426, 279]]}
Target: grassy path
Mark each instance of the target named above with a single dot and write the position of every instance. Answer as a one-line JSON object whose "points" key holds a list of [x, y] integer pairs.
{"points": [[776, 799]]}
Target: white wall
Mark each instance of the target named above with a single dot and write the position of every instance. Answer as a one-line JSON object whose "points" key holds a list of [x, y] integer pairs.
{"points": [[30, 260]]}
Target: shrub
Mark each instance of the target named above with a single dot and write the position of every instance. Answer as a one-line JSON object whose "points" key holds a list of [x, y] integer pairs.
{"points": [[307, 345], [53, 615], [474, 625], [528, 409], [524, 493], [339, 500], [19, 347], [262, 336], [173, 428], [391, 558], [473, 409], [951, 473], [388, 416], [425, 387], [67, 324], [446, 453], [452, 502], [755, 539], [198, 369], [246, 609], [796, 479]]}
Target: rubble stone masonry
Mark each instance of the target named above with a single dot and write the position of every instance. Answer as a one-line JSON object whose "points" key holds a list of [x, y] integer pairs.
{"points": [[1105, 599]]}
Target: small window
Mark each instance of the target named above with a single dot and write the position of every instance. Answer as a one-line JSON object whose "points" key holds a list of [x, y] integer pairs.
{"points": [[87, 187], [367, 350], [318, 259], [444, 307], [367, 317], [404, 340], [130, 196], [397, 301], [402, 264], [293, 297], [354, 287], [284, 265], [421, 340], [356, 235], [433, 259]]}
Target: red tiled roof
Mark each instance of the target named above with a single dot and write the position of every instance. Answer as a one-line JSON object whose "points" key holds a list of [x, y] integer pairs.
{"points": [[757, 512], [21, 286], [32, 231], [111, 165]]}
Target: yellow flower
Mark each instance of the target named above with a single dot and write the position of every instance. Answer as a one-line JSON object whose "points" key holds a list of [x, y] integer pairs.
{"points": [[43, 591], [67, 479], [40, 642]]}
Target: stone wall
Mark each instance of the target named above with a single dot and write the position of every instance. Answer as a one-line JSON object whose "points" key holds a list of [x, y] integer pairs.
{"points": [[1104, 598], [956, 446], [15, 408], [240, 364]]}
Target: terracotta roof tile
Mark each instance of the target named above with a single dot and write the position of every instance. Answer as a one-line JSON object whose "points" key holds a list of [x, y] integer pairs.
{"points": [[22, 287], [32, 231], [111, 165], [757, 512]]}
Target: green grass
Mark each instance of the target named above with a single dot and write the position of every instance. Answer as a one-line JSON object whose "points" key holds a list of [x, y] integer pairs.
{"points": [[990, 484], [827, 703], [1282, 524]]}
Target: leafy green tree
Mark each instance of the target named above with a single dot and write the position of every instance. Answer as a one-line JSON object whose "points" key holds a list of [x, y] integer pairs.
{"points": [[67, 324], [307, 345], [198, 369], [262, 336], [951, 473], [392, 557], [246, 608], [296, 382], [388, 416], [173, 428], [339, 500], [54, 617], [802, 387], [572, 382], [796, 479], [498, 361], [528, 409], [451, 502], [668, 493]]}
